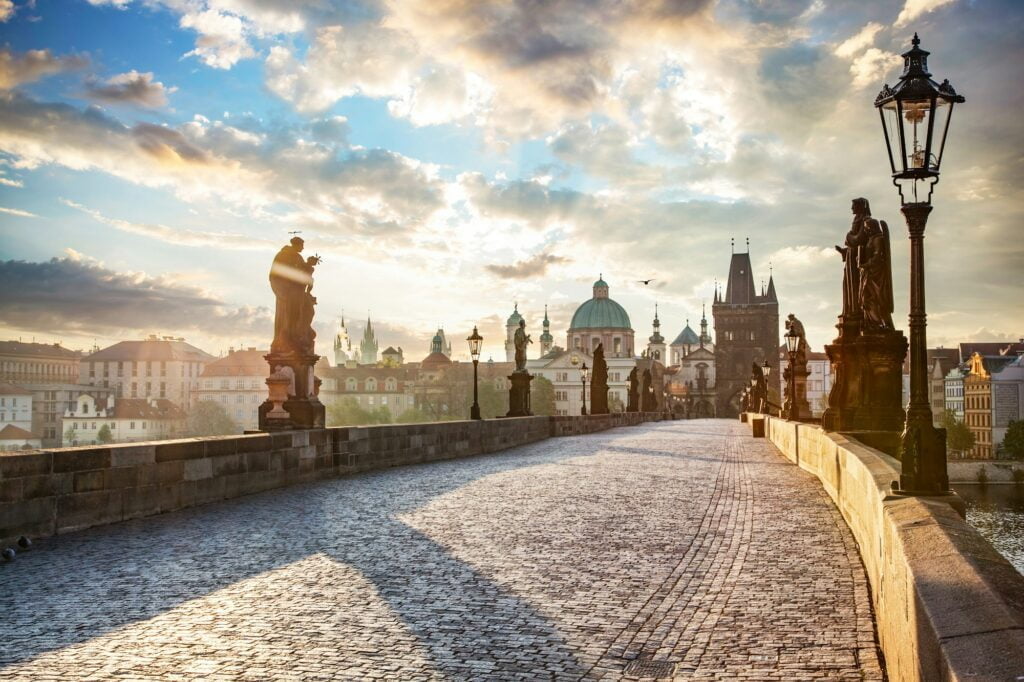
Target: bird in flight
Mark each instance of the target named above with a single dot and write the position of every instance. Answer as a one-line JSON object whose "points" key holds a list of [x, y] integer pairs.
{"points": [[645, 282]]}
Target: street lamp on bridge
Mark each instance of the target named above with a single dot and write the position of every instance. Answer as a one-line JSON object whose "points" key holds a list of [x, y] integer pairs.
{"points": [[792, 344], [915, 120], [584, 373], [475, 343]]}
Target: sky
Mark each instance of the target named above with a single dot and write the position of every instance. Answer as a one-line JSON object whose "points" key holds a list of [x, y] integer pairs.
{"points": [[451, 158]]}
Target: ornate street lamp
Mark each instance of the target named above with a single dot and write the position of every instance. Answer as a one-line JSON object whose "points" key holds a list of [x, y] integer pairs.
{"points": [[915, 119], [475, 342], [584, 373], [792, 344]]}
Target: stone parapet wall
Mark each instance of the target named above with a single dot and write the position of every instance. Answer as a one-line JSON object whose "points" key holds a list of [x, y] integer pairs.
{"points": [[947, 605], [48, 492]]}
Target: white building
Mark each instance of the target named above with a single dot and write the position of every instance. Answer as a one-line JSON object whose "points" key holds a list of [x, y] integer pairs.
{"points": [[128, 420], [819, 379], [1007, 399], [953, 385], [238, 382], [564, 370], [15, 407], [161, 368]]}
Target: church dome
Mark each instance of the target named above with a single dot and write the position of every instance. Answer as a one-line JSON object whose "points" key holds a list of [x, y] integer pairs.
{"points": [[513, 319], [687, 337], [600, 312]]}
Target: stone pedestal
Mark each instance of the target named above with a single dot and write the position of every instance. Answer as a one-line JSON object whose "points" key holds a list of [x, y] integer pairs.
{"points": [[519, 395], [292, 375], [867, 389], [796, 407]]}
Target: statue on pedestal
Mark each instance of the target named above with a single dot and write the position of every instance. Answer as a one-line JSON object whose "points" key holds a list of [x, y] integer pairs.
{"points": [[633, 400], [795, 375], [867, 356], [519, 391], [599, 383], [292, 355], [647, 399]]}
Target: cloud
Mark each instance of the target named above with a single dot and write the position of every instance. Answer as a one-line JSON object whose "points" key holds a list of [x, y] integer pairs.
{"points": [[862, 40], [222, 40], [916, 8], [17, 212], [535, 266], [74, 295], [130, 88], [17, 69], [6, 10]]}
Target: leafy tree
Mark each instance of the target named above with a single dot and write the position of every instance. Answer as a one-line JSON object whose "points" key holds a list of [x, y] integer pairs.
{"points": [[104, 435], [209, 418], [348, 412], [958, 437], [1012, 446], [542, 396], [412, 416], [493, 401], [70, 435]]}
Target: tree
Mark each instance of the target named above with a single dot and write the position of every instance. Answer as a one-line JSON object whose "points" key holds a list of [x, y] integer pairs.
{"points": [[542, 397], [348, 412], [1012, 446], [958, 437], [412, 416], [104, 435], [493, 401], [209, 418], [70, 435]]}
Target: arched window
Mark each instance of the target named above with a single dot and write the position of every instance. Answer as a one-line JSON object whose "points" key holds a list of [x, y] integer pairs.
{"points": [[350, 384], [390, 384], [371, 384]]}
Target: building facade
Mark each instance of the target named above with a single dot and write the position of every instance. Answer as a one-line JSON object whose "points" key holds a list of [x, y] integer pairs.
{"points": [[237, 382], [164, 368], [1007, 399], [601, 320], [978, 402], [953, 387], [127, 420], [746, 331]]}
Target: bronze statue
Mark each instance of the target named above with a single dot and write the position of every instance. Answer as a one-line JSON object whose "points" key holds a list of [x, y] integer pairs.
{"points": [[521, 339], [291, 279], [634, 391], [599, 383], [876, 276], [851, 253]]}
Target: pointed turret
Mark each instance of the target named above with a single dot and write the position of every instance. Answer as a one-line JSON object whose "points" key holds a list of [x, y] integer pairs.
{"points": [[771, 296], [368, 346], [656, 347], [705, 338], [546, 340]]}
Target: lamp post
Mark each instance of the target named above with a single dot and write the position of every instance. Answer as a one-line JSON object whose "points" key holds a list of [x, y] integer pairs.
{"points": [[584, 373], [792, 344], [915, 120], [766, 369], [475, 342]]}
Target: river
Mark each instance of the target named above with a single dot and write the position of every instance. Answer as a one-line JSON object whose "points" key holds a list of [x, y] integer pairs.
{"points": [[997, 511]]}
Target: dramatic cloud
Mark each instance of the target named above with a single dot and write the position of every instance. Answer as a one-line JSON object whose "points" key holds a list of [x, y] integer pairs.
{"points": [[73, 295], [535, 266], [915, 8], [130, 88], [17, 69], [6, 10]]}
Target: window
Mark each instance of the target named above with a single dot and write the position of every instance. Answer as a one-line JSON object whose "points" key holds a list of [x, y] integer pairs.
{"points": [[143, 425], [240, 398], [617, 345], [371, 385], [239, 383], [350, 384], [163, 368], [163, 390], [391, 384], [369, 400], [255, 398], [149, 370], [135, 389]]}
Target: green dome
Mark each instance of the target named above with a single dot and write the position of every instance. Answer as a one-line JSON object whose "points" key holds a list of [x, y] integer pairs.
{"points": [[601, 283], [600, 313]]}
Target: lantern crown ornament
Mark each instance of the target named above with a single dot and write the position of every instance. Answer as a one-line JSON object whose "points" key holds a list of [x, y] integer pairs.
{"points": [[915, 117]]}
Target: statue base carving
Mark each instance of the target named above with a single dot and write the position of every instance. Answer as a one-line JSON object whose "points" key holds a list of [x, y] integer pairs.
{"points": [[519, 395], [867, 391], [797, 408], [293, 402]]}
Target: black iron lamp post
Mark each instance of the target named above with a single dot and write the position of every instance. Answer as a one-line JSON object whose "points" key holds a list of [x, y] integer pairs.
{"points": [[915, 119], [475, 342], [584, 373], [792, 344], [767, 370]]}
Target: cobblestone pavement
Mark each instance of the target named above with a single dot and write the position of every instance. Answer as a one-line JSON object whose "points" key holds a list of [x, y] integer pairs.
{"points": [[679, 548]]}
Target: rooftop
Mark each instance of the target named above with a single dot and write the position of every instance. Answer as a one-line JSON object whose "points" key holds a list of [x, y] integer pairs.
{"points": [[38, 350], [152, 349], [248, 362]]}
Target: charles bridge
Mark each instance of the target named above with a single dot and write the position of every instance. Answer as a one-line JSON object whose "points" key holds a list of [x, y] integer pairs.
{"points": [[600, 547]]}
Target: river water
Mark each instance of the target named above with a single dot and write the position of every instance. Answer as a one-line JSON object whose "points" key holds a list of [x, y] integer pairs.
{"points": [[997, 511]]}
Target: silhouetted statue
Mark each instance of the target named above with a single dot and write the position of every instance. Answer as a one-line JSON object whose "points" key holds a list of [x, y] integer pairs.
{"points": [[647, 402], [521, 339], [876, 276], [291, 279], [795, 326], [599, 383], [633, 399], [851, 253], [759, 396]]}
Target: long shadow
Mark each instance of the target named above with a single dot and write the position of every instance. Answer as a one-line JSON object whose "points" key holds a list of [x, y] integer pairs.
{"points": [[73, 588]]}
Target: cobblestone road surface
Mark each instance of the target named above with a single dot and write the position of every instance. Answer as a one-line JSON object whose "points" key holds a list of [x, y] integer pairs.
{"points": [[682, 549]]}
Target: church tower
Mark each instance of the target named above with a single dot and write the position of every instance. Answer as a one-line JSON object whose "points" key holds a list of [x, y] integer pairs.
{"points": [[368, 346], [656, 345], [705, 338], [510, 330], [342, 344], [546, 340], [746, 331]]}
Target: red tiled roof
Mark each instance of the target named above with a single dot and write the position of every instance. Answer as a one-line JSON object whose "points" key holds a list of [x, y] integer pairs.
{"points": [[435, 360], [12, 432], [140, 408], [11, 389], [151, 349], [238, 363], [38, 350]]}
